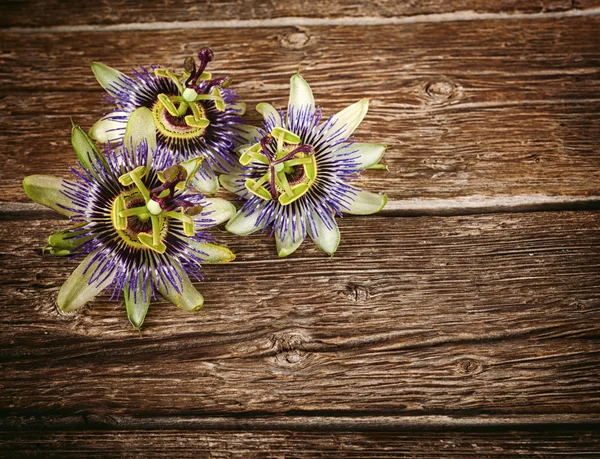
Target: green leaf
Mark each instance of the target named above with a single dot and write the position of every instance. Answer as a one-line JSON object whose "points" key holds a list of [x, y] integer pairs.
{"points": [[76, 291], [369, 153], [219, 210], [325, 238], [189, 299], [46, 190], [140, 127], [107, 76], [244, 224], [288, 245], [138, 301], [366, 203], [87, 153], [301, 95]]}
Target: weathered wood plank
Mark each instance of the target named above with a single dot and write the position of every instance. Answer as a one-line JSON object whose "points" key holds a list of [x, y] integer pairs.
{"points": [[36, 13], [496, 108], [247, 445], [489, 316]]}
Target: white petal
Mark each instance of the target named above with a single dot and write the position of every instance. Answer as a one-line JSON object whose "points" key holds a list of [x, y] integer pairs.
{"points": [[369, 153], [301, 95], [346, 121], [107, 129], [214, 253], [106, 75], [326, 239], [366, 203], [205, 182], [137, 303], [76, 291], [219, 210], [140, 127], [250, 134], [189, 299], [292, 240], [230, 183], [46, 190], [243, 224], [269, 113]]}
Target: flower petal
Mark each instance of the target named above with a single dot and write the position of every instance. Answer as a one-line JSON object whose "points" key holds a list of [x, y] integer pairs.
{"points": [[45, 190], [230, 182], [366, 203], [189, 299], [301, 95], [244, 224], [87, 153], [214, 253], [250, 134], [346, 121], [138, 301], [76, 291], [140, 127], [219, 210], [107, 129], [369, 153], [269, 113], [205, 182], [106, 76], [327, 236], [293, 239]]}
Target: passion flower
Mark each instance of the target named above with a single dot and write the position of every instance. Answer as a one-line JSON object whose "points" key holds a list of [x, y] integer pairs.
{"points": [[136, 221], [296, 176], [194, 113]]}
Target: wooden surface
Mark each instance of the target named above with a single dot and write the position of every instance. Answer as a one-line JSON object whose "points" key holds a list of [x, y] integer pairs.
{"points": [[462, 322]]}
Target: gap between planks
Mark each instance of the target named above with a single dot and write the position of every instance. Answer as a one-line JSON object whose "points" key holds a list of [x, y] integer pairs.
{"points": [[307, 421], [449, 207], [459, 16]]}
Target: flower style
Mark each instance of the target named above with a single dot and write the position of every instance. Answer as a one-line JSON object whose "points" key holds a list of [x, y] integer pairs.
{"points": [[136, 222], [195, 114], [296, 175]]}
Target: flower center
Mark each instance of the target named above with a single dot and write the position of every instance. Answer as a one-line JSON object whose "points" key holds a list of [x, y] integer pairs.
{"points": [[176, 127], [291, 168], [141, 217]]}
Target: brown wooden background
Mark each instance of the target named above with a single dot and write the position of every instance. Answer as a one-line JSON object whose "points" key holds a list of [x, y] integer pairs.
{"points": [[464, 321]]}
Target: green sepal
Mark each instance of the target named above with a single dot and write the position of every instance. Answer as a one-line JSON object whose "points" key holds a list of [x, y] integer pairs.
{"points": [[140, 128], [189, 299], [87, 153], [65, 242], [46, 190], [214, 253], [106, 76], [138, 302]]}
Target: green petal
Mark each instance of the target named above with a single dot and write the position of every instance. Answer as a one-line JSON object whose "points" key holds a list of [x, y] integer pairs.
{"points": [[250, 134], [243, 224], [369, 153], [87, 153], [214, 253], [291, 242], [45, 190], [76, 291], [326, 239], [366, 203], [106, 130], [66, 242], [268, 111], [140, 127], [106, 75], [218, 210], [348, 119], [206, 185], [301, 95], [229, 182], [138, 301], [189, 299]]}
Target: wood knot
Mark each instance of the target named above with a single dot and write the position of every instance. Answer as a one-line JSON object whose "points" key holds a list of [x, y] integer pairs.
{"points": [[295, 40], [469, 367], [99, 420], [289, 348], [358, 293], [440, 92]]}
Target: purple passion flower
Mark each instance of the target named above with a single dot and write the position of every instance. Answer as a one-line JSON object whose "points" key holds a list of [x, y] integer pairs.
{"points": [[137, 223], [296, 176], [195, 114]]}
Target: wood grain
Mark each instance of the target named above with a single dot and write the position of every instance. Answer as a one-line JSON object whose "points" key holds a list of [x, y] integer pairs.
{"points": [[249, 445], [36, 13], [461, 316], [470, 110]]}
